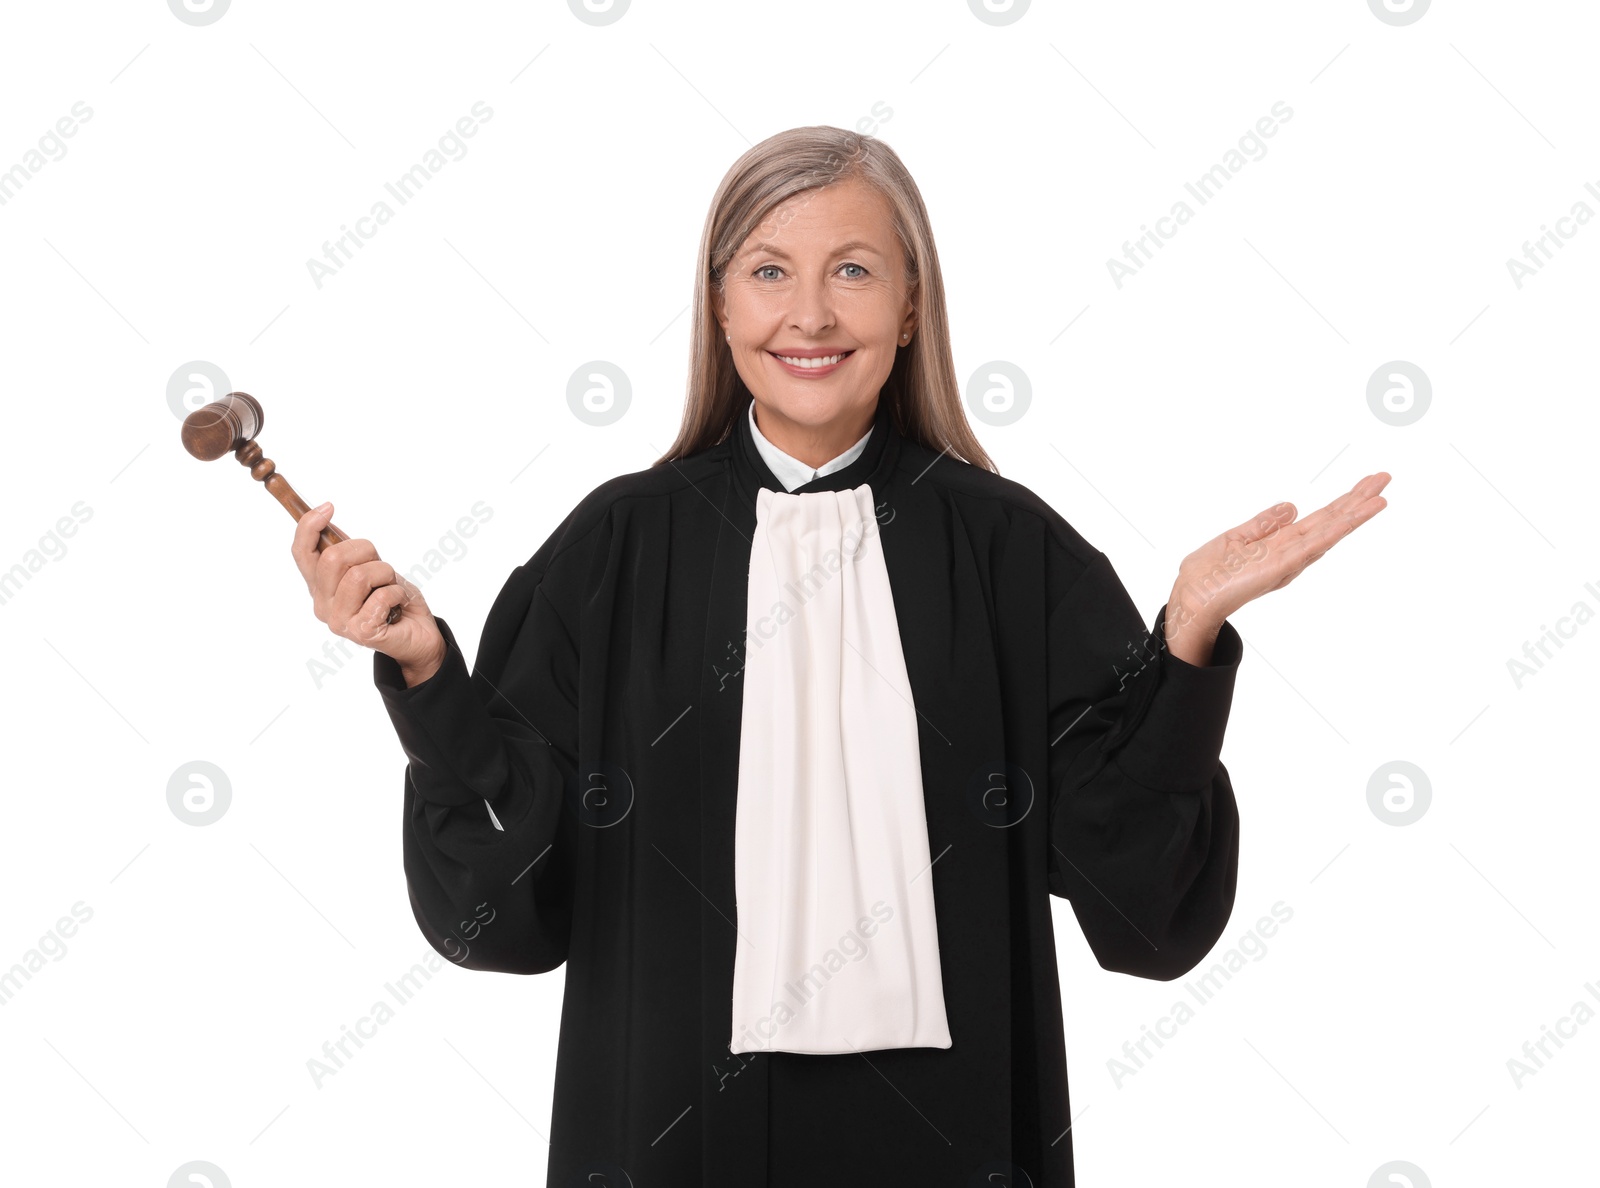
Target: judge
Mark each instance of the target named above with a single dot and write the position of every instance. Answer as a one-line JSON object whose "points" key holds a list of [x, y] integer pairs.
{"points": [[783, 744]]}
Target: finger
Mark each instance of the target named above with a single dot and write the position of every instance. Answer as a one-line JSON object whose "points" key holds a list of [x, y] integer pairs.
{"points": [[1263, 524], [372, 626], [332, 564], [1364, 490], [1318, 533], [304, 546], [355, 587], [1323, 527]]}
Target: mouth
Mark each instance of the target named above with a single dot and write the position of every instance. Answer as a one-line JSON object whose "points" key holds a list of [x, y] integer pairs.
{"points": [[818, 363]]}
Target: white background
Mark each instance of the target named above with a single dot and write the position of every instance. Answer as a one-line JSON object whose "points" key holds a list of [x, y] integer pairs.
{"points": [[430, 373]]}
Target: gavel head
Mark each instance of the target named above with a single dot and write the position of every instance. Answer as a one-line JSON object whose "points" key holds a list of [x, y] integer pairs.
{"points": [[222, 426]]}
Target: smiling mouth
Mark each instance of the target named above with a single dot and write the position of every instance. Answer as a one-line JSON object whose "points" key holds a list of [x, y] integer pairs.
{"points": [[820, 361]]}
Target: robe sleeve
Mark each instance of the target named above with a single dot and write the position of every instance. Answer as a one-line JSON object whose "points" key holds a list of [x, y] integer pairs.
{"points": [[1144, 828], [490, 761]]}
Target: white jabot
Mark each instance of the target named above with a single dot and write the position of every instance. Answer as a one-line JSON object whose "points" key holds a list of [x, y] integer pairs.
{"points": [[792, 472], [837, 947]]}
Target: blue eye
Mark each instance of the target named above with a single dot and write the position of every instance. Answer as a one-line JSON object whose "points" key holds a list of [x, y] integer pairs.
{"points": [[765, 267]]}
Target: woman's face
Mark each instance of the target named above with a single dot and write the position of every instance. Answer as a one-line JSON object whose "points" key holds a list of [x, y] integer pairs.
{"points": [[821, 276]]}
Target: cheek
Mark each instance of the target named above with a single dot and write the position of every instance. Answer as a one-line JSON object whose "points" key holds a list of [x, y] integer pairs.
{"points": [[873, 308]]}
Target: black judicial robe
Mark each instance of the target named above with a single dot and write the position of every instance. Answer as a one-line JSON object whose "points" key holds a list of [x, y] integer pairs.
{"points": [[1064, 752]]}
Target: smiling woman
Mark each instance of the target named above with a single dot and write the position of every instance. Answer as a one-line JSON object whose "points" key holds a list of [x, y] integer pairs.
{"points": [[930, 730], [930, 735]]}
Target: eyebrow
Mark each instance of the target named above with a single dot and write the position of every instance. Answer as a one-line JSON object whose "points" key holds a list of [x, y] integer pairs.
{"points": [[769, 249]]}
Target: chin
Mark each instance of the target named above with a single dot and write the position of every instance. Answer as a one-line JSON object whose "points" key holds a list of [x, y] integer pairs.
{"points": [[815, 412]]}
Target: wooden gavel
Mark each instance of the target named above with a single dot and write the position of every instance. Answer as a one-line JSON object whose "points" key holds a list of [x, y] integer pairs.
{"points": [[231, 424]]}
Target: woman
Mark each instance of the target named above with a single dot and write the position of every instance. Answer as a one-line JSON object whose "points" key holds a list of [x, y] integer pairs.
{"points": [[712, 773]]}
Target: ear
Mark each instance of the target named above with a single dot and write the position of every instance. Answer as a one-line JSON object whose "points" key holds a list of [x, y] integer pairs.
{"points": [[717, 308]]}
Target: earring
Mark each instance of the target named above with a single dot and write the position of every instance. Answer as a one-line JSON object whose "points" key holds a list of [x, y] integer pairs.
{"points": [[905, 336]]}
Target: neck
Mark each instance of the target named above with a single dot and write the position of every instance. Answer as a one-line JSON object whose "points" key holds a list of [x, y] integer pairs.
{"points": [[814, 444]]}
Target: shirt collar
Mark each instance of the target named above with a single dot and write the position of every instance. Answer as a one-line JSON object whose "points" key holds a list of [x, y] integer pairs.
{"points": [[789, 470], [875, 464]]}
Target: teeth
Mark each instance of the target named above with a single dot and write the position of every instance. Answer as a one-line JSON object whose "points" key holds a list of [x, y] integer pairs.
{"points": [[824, 361]]}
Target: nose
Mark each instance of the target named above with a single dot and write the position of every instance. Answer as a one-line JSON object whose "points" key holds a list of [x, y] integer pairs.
{"points": [[812, 314]]}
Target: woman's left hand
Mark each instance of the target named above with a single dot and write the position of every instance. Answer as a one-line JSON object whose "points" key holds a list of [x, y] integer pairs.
{"points": [[1265, 553]]}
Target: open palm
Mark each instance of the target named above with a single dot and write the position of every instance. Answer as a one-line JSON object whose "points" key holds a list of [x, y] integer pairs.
{"points": [[1270, 550]]}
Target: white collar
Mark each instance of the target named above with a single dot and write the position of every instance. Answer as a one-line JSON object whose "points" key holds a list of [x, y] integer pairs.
{"points": [[789, 470]]}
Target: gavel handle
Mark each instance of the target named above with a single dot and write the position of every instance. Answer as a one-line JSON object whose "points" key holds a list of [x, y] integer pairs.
{"points": [[232, 424], [331, 535], [265, 471]]}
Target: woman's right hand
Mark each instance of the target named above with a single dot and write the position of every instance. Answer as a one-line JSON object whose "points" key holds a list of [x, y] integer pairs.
{"points": [[352, 591]]}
